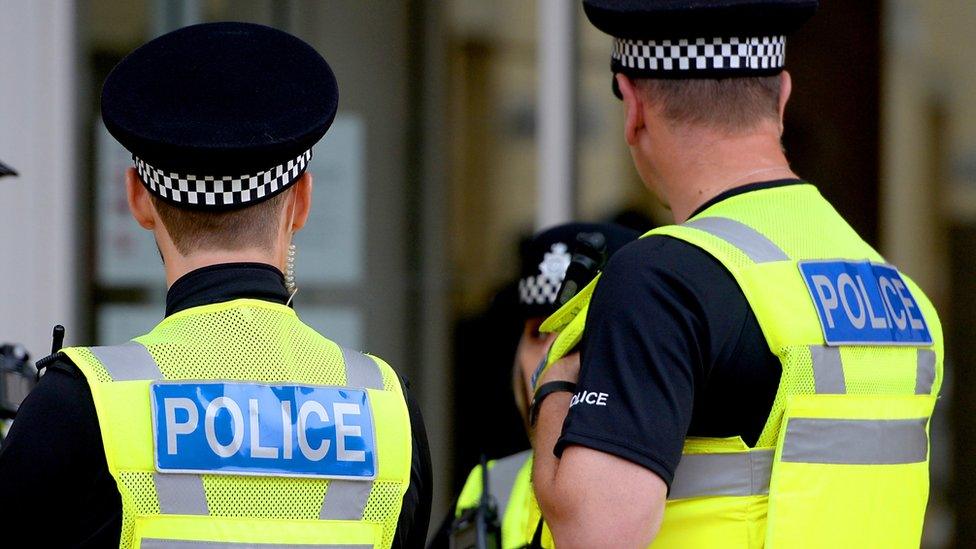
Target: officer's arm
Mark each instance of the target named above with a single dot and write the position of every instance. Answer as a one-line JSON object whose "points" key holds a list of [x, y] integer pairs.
{"points": [[50, 460], [590, 498]]}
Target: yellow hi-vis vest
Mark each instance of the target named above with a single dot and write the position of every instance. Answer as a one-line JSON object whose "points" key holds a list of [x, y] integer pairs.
{"points": [[264, 348], [510, 484], [843, 458]]}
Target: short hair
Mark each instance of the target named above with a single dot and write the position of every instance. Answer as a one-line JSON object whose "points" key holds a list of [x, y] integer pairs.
{"points": [[254, 226], [729, 104]]}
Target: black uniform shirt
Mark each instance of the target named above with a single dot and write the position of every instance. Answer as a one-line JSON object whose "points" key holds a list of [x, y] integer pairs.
{"points": [[671, 349], [54, 483]]}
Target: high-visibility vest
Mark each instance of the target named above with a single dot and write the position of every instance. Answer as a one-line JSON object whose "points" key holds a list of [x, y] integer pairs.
{"points": [[254, 347], [843, 458], [510, 486]]}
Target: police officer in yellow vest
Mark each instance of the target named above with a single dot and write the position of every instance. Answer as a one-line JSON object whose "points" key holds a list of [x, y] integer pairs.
{"points": [[231, 423], [544, 260], [755, 375]]}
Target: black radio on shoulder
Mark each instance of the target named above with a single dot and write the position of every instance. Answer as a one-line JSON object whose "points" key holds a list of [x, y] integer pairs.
{"points": [[589, 256]]}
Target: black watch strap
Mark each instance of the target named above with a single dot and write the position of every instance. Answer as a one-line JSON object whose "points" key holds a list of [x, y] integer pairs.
{"points": [[545, 390]]}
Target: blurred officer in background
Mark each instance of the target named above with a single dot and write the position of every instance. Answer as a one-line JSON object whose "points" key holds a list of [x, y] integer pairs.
{"points": [[231, 422], [544, 260], [755, 375]]}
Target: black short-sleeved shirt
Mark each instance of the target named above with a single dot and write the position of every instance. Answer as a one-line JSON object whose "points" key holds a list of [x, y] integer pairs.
{"points": [[54, 482], [671, 349]]}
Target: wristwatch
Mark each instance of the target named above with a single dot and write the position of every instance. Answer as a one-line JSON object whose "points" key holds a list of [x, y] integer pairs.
{"points": [[545, 390]]}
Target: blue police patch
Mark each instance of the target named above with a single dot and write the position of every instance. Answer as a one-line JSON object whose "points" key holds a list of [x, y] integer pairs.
{"points": [[257, 429], [864, 303]]}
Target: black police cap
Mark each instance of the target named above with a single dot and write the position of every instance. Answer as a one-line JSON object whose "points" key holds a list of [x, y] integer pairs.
{"points": [[6, 170], [220, 115], [684, 39], [546, 256]]}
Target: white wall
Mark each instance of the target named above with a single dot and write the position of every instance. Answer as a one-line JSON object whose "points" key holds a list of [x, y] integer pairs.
{"points": [[37, 138]]}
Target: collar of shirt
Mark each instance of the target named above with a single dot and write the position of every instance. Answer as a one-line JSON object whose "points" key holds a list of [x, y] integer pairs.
{"points": [[745, 189], [226, 282]]}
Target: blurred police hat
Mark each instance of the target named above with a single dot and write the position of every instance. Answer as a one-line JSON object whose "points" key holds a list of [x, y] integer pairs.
{"points": [[546, 256], [6, 170]]}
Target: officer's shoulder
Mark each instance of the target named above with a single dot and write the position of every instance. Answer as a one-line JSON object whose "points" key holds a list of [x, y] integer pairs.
{"points": [[662, 255], [59, 364], [62, 392]]}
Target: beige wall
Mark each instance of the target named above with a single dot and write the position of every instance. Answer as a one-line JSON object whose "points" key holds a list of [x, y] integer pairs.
{"points": [[38, 96]]}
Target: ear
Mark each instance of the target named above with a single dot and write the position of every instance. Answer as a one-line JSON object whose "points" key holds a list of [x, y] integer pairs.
{"points": [[633, 108], [785, 89], [140, 203], [301, 202]]}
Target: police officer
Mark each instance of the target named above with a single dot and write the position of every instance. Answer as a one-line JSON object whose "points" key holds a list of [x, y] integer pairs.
{"points": [[544, 261], [231, 423], [755, 375]]}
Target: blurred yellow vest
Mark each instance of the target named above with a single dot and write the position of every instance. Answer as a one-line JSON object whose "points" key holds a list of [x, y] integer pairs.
{"points": [[843, 458], [244, 341], [510, 484]]}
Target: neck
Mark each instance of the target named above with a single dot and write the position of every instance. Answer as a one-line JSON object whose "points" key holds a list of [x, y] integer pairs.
{"points": [[177, 265], [698, 170]]}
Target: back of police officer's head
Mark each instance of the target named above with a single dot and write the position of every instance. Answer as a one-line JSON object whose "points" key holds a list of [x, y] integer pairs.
{"points": [[696, 76], [672, 122], [727, 107], [265, 227], [220, 119]]}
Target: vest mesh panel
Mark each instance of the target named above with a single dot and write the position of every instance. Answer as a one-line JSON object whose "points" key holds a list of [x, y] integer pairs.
{"points": [[867, 375], [797, 379], [100, 372], [275, 351]]}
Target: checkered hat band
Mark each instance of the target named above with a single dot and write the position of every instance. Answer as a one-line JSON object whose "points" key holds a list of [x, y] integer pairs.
{"points": [[210, 191], [538, 290], [727, 55]]}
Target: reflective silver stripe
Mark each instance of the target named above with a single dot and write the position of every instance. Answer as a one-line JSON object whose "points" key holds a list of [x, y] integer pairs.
{"points": [[731, 474], [856, 441], [925, 372], [759, 248], [345, 500], [828, 373], [501, 478], [361, 370], [180, 494], [155, 543], [129, 362]]}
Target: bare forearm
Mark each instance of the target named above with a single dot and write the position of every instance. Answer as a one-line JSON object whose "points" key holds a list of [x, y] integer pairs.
{"points": [[557, 509], [546, 465], [590, 498]]}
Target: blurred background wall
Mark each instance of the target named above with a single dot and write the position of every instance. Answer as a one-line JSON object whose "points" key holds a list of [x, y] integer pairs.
{"points": [[428, 181]]}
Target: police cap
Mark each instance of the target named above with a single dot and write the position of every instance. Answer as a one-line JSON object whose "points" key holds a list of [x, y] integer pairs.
{"points": [[220, 115], [6, 170], [546, 256], [683, 39]]}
